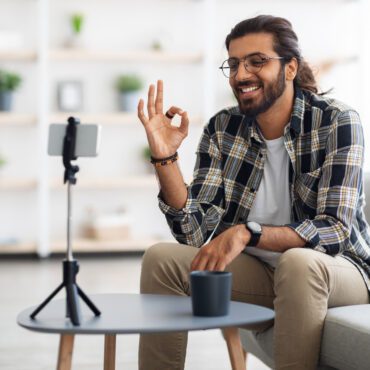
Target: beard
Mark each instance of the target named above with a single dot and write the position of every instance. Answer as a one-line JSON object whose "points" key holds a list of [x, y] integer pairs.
{"points": [[270, 93]]}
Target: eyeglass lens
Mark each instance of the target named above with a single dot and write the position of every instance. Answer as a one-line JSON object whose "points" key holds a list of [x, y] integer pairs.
{"points": [[252, 64]]}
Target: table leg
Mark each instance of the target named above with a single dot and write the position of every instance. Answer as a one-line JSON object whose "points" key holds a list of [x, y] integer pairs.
{"points": [[65, 352], [110, 352], [234, 346]]}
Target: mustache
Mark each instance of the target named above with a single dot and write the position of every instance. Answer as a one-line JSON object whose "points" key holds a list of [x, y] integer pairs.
{"points": [[249, 83]]}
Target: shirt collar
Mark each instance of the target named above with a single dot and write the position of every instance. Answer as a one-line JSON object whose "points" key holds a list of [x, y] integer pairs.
{"points": [[297, 117]]}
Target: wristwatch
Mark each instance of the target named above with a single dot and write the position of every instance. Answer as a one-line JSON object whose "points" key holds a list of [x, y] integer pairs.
{"points": [[256, 231]]}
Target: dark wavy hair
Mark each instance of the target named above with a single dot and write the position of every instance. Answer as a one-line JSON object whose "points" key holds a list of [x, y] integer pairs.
{"points": [[285, 45]]}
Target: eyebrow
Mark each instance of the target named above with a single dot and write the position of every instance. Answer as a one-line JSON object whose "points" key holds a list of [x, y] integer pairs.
{"points": [[249, 55]]}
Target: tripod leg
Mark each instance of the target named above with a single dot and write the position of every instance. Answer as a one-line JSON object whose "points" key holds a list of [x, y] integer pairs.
{"points": [[87, 300], [73, 304], [47, 300]]}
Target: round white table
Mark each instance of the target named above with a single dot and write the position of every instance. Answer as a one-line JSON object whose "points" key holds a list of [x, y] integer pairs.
{"points": [[140, 313]]}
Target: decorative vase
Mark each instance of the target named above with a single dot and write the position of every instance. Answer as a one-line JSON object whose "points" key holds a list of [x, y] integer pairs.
{"points": [[75, 41], [6, 101], [128, 101]]}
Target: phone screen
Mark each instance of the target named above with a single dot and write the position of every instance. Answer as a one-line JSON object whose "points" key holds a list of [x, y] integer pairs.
{"points": [[87, 139]]}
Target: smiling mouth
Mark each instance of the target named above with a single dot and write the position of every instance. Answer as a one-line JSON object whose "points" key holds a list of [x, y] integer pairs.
{"points": [[248, 91]]}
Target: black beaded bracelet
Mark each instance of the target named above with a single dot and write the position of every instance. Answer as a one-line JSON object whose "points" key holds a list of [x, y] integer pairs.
{"points": [[164, 161]]}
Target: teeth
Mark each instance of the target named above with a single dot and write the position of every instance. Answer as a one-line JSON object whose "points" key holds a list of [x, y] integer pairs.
{"points": [[252, 88]]}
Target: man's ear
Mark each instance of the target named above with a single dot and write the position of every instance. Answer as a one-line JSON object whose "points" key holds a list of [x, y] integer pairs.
{"points": [[291, 69]]}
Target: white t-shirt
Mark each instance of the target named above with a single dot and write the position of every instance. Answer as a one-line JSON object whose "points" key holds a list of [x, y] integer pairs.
{"points": [[272, 202]]}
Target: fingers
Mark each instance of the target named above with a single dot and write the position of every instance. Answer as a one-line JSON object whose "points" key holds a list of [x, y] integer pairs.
{"points": [[199, 262], [205, 260], [159, 98], [184, 126], [220, 266], [140, 113], [174, 110], [151, 106], [155, 106], [211, 264]]}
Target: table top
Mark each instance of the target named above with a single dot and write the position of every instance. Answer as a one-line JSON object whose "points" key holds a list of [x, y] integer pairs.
{"points": [[139, 313]]}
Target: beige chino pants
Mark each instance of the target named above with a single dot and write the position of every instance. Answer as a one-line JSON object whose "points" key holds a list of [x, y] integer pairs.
{"points": [[304, 284]]}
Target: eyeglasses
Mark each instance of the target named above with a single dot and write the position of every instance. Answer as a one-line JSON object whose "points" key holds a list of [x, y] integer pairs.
{"points": [[252, 64]]}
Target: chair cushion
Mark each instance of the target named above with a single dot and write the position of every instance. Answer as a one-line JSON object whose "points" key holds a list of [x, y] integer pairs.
{"points": [[346, 338], [345, 342]]}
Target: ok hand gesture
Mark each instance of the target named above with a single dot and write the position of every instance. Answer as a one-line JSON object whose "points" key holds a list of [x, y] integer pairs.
{"points": [[163, 138]]}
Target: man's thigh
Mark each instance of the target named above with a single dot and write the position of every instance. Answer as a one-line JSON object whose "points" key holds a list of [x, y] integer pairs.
{"points": [[346, 284], [252, 279], [300, 269]]}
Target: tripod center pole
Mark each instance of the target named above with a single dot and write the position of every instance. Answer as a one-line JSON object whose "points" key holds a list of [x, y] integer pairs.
{"points": [[69, 223], [69, 155]]}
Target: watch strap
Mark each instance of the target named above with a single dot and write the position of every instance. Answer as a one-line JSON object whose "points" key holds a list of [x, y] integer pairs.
{"points": [[255, 238]]}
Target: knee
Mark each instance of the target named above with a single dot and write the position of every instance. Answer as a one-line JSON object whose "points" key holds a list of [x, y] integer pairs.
{"points": [[156, 256], [165, 268], [299, 266]]}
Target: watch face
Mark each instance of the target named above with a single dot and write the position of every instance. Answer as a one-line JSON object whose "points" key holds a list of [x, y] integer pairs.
{"points": [[254, 227]]}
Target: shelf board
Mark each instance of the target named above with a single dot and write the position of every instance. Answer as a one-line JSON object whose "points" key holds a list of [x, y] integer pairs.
{"points": [[18, 55], [18, 119], [144, 181], [109, 118], [18, 248], [104, 246], [99, 118], [17, 184], [129, 56], [83, 245]]}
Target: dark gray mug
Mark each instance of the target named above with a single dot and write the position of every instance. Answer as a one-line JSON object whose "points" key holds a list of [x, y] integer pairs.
{"points": [[210, 292]]}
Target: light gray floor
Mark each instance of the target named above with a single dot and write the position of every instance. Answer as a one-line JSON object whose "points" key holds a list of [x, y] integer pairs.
{"points": [[27, 283]]}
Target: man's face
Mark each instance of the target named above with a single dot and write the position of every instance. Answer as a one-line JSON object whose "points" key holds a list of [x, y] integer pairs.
{"points": [[265, 86]]}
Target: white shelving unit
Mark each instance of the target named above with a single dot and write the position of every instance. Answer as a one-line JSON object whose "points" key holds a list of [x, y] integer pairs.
{"points": [[19, 56], [39, 193], [98, 246], [12, 119], [137, 182], [45, 187], [17, 184], [114, 56], [108, 118]]}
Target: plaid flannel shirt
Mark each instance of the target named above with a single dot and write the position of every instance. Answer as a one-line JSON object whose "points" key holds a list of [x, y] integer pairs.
{"points": [[324, 140]]}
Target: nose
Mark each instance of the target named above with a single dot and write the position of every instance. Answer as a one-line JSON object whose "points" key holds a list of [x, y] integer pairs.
{"points": [[242, 74]]}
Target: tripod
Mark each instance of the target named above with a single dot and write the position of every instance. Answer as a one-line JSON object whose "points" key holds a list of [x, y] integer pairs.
{"points": [[70, 265]]}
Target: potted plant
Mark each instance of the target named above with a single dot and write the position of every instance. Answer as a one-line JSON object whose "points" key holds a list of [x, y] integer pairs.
{"points": [[9, 82], [128, 87], [156, 45], [146, 154], [77, 23], [2, 161]]}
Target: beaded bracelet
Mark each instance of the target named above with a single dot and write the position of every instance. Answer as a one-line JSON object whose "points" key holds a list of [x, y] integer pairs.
{"points": [[164, 161]]}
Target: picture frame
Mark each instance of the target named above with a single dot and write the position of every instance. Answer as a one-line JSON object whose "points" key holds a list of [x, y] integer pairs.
{"points": [[70, 96]]}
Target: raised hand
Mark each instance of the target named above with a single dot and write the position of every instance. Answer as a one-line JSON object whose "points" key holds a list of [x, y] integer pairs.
{"points": [[163, 138]]}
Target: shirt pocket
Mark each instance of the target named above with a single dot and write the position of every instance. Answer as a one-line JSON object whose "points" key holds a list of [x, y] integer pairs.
{"points": [[306, 188]]}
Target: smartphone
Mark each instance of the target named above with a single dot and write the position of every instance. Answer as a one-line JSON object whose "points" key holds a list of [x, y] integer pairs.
{"points": [[87, 139]]}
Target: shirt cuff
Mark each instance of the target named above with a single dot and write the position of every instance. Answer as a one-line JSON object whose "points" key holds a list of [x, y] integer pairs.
{"points": [[171, 211], [308, 232]]}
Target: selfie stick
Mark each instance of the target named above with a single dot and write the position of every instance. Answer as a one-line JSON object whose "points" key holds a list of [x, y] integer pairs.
{"points": [[70, 265]]}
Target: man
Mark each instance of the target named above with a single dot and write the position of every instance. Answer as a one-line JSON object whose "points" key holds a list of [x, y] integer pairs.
{"points": [[278, 190]]}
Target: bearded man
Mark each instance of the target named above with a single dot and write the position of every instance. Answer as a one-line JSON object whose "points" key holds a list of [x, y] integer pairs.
{"points": [[277, 198]]}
